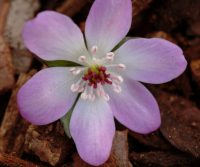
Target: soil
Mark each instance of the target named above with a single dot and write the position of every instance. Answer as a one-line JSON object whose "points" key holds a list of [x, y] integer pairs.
{"points": [[175, 144]]}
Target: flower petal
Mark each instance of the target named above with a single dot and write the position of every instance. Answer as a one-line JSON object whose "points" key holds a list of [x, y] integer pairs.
{"points": [[46, 97], [108, 23], [135, 107], [53, 36], [92, 128], [151, 60]]}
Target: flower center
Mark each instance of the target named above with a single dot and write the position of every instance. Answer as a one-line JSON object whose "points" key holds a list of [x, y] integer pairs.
{"points": [[96, 73]]}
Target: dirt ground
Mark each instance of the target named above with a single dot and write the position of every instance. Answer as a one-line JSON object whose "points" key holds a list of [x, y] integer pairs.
{"points": [[175, 144]]}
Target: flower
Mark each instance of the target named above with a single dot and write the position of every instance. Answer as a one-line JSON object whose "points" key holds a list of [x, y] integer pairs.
{"points": [[107, 79]]}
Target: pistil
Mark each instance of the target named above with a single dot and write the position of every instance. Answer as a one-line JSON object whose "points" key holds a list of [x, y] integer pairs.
{"points": [[95, 74]]}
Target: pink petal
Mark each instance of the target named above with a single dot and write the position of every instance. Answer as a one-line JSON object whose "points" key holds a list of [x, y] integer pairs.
{"points": [[135, 107], [46, 97], [92, 128], [151, 60], [108, 23], [53, 36]]}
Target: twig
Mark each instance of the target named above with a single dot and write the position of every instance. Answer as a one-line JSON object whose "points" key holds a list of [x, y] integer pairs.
{"points": [[4, 8], [7, 160], [71, 7]]}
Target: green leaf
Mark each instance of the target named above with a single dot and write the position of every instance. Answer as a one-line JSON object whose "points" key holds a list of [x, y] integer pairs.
{"points": [[66, 119], [121, 43], [60, 63]]}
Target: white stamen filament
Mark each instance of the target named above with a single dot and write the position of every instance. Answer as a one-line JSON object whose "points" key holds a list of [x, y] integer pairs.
{"points": [[100, 90], [82, 59], [116, 78], [94, 50], [81, 87], [110, 56], [76, 71], [120, 79], [76, 86], [90, 92], [101, 93], [122, 66], [91, 95], [84, 95], [106, 97], [116, 88], [72, 69]]}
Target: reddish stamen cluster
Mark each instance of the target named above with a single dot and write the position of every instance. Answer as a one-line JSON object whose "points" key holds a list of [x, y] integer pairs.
{"points": [[97, 75]]}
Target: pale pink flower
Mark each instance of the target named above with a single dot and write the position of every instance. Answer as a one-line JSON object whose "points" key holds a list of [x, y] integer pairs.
{"points": [[106, 79]]}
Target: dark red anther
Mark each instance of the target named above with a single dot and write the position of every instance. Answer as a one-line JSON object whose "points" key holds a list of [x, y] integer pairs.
{"points": [[84, 78], [108, 81], [102, 68], [90, 84], [97, 76], [103, 82], [95, 86], [90, 72], [107, 75]]}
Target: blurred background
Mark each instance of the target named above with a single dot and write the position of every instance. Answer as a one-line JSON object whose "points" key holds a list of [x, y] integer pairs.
{"points": [[176, 143]]}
